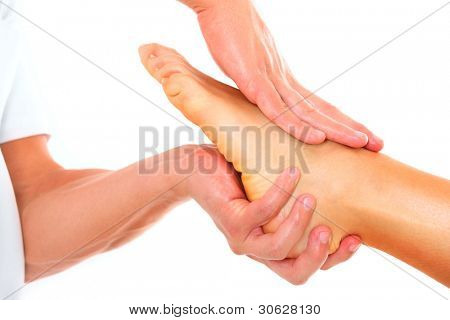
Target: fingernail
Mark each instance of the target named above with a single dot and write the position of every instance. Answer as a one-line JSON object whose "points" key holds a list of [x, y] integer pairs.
{"points": [[318, 136], [363, 136], [308, 202], [324, 237], [294, 172], [354, 247]]}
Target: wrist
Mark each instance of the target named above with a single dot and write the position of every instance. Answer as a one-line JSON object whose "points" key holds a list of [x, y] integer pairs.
{"points": [[204, 166], [176, 166]]}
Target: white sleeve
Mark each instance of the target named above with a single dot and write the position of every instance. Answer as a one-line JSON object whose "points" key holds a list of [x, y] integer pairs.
{"points": [[23, 115]]}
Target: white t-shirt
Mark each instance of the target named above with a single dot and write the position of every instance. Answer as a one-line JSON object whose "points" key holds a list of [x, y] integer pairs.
{"points": [[20, 117]]}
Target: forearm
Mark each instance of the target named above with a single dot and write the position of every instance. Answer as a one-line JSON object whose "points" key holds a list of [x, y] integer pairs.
{"points": [[75, 214]]}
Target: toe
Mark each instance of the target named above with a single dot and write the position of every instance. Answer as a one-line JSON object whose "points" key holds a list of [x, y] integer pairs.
{"points": [[186, 87], [155, 50], [187, 94], [162, 67], [173, 85], [161, 62]]}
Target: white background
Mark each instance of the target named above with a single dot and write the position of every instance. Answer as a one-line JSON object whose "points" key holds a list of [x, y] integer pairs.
{"points": [[401, 92]]}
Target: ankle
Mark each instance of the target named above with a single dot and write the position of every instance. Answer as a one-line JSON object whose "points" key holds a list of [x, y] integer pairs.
{"points": [[340, 178]]}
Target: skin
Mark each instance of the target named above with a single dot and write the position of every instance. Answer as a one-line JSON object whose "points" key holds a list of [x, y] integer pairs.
{"points": [[70, 215], [412, 220], [101, 216], [251, 59]]}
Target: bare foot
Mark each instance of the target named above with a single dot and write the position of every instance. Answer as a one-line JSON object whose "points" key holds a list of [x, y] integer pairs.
{"points": [[256, 147]]}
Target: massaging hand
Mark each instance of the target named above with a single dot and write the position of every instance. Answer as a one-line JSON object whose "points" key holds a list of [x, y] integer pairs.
{"points": [[216, 187], [243, 47]]}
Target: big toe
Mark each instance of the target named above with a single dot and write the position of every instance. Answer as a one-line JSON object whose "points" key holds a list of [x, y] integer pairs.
{"points": [[161, 61], [188, 94], [152, 50]]}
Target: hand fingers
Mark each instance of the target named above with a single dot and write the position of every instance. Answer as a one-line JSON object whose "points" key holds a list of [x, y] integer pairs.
{"points": [[262, 210], [262, 92], [300, 130], [334, 129], [297, 271], [347, 248], [276, 246], [374, 143]]}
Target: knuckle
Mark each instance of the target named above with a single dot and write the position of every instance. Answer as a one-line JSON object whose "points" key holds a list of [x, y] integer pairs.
{"points": [[234, 231], [307, 110], [267, 209], [277, 252], [202, 153], [204, 160], [250, 85], [272, 115], [325, 267], [236, 248], [298, 280], [254, 87]]}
